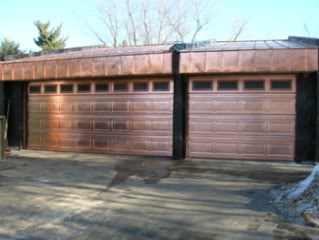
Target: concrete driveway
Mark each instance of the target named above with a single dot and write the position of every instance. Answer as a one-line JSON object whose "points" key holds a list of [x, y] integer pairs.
{"points": [[46, 195]]}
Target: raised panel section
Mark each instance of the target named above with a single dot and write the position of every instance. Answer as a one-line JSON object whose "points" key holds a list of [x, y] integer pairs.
{"points": [[102, 107], [83, 143], [66, 142], [226, 148], [66, 107], [254, 149], [254, 127], [120, 126], [51, 141], [102, 125], [120, 107], [84, 107], [121, 145]]}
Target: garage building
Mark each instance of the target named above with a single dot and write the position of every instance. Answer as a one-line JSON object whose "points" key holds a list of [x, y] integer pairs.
{"points": [[227, 100]]}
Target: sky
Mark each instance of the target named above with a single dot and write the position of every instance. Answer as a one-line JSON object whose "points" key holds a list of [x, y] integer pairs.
{"points": [[267, 19]]}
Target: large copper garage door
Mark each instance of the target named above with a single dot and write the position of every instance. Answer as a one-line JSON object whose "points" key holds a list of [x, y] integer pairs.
{"points": [[242, 117], [129, 117]]}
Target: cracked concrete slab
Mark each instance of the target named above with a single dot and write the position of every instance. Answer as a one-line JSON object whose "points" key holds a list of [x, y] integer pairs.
{"points": [[49, 195]]}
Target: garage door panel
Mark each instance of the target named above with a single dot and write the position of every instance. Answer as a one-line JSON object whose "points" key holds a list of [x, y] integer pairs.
{"points": [[35, 124], [256, 106], [163, 125], [108, 122], [163, 106], [102, 125], [67, 107], [120, 107], [34, 107], [163, 145], [241, 149], [282, 106], [226, 106], [280, 150], [82, 125], [270, 105], [254, 149], [102, 107], [254, 127], [226, 148], [45, 124], [141, 106], [122, 145], [242, 124], [34, 140], [140, 146], [270, 127], [50, 141], [201, 126], [66, 142], [102, 144], [140, 125], [130, 127], [83, 107], [226, 127], [284, 128], [49, 107]]}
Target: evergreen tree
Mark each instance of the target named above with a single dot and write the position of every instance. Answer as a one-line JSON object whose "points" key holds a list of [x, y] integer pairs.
{"points": [[8, 47], [49, 38]]}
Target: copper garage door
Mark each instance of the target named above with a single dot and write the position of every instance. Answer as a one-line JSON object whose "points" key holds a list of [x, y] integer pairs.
{"points": [[129, 117], [242, 117]]}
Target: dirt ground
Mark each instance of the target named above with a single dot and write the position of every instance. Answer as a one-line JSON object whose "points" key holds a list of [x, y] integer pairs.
{"points": [[47, 195]]}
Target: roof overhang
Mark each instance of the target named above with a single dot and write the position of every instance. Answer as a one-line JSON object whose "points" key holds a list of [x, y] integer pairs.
{"points": [[109, 66], [269, 56], [250, 61], [90, 63]]}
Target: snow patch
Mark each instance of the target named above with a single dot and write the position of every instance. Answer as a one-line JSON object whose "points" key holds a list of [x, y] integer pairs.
{"points": [[299, 202], [303, 185]]}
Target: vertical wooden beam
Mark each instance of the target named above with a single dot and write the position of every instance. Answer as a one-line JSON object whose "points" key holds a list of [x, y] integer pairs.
{"points": [[317, 117], [25, 115], [14, 92], [305, 140], [179, 120], [2, 101]]}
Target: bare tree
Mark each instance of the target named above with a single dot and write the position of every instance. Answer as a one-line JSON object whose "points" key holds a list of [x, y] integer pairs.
{"points": [[200, 18], [239, 27], [131, 28], [110, 19], [152, 21], [307, 30]]}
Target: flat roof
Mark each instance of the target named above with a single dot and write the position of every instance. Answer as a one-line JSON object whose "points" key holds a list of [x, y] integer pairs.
{"points": [[207, 57], [249, 45], [90, 52]]}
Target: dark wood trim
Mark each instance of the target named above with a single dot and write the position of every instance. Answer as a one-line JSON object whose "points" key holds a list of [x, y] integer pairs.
{"points": [[25, 115], [305, 140], [317, 117], [2, 99], [179, 120]]}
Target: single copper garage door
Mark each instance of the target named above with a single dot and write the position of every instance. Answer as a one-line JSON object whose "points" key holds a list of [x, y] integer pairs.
{"points": [[127, 117], [236, 117]]}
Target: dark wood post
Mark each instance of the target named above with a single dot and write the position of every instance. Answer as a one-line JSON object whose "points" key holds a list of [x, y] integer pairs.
{"points": [[305, 141], [317, 117], [14, 92], [179, 119], [2, 98]]}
